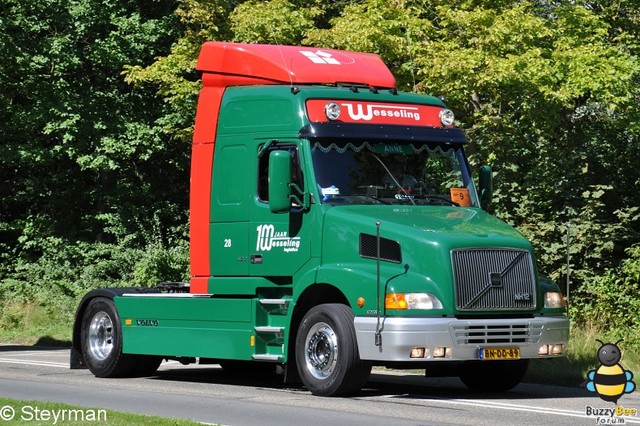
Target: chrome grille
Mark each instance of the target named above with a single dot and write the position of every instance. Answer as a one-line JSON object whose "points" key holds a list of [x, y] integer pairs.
{"points": [[479, 333], [494, 279]]}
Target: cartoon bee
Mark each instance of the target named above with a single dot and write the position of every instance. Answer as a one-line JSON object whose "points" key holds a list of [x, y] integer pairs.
{"points": [[610, 381]]}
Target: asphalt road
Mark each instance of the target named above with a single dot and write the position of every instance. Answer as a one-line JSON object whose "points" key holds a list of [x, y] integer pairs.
{"points": [[210, 395]]}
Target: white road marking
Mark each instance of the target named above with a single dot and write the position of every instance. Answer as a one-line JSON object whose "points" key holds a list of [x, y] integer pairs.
{"points": [[32, 353], [39, 363], [528, 408]]}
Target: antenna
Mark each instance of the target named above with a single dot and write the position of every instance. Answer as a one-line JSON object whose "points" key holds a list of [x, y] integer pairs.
{"points": [[283, 60], [378, 335]]}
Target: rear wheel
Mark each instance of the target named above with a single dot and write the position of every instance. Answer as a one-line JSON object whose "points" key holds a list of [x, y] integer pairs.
{"points": [[493, 375], [101, 339], [327, 352]]}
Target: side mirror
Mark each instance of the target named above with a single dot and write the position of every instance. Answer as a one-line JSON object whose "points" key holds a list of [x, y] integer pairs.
{"points": [[280, 181], [486, 186]]}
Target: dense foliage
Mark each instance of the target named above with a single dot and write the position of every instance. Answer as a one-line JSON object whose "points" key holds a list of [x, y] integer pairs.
{"points": [[98, 99], [88, 177], [83, 154]]}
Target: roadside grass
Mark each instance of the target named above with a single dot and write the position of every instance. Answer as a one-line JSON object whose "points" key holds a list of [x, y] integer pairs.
{"points": [[32, 324], [20, 412]]}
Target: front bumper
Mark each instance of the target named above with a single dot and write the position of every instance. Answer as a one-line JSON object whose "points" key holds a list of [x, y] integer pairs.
{"points": [[464, 338]]}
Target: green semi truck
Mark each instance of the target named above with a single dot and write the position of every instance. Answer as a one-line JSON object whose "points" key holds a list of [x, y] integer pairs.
{"points": [[334, 225]]}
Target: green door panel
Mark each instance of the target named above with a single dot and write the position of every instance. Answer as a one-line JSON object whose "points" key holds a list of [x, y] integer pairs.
{"points": [[230, 192], [279, 244], [229, 249]]}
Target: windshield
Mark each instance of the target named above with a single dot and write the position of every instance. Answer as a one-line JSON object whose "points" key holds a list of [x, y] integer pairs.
{"points": [[391, 173]]}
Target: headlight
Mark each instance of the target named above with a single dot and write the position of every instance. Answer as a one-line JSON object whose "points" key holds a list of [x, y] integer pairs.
{"points": [[554, 300], [404, 301], [446, 117], [332, 111]]}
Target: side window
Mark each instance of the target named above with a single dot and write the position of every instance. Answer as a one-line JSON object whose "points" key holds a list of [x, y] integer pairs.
{"points": [[263, 171]]}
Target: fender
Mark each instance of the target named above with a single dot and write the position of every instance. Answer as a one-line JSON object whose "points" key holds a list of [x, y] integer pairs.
{"points": [[358, 280], [76, 361], [351, 278]]}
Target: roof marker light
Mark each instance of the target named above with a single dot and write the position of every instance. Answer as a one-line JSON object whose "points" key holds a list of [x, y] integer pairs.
{"points": [[332, 111], [446, 117]]}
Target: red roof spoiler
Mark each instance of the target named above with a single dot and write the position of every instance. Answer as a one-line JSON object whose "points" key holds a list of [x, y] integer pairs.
{"points": [[237, 64]]}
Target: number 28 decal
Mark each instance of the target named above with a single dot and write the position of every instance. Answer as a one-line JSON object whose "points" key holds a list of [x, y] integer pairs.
{"points": [[227, 242]]}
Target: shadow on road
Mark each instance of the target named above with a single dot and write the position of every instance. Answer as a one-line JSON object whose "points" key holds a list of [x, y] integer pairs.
{"points": [[394, 385], [43, 344]]}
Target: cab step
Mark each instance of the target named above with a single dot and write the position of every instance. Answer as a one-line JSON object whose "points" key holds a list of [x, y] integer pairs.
{"points": [[282, 303], [268, 329], [267, 357]]}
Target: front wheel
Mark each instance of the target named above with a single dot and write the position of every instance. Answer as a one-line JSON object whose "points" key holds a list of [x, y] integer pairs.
{"points": [[493, 375], [327, 353]]}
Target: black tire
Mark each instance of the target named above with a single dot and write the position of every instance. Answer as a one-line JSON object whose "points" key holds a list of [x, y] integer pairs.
{"points": [[327, 353], [493, 376], [101, 339]]}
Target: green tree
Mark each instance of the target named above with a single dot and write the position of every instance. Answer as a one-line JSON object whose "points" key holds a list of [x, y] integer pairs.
{"points": [[173, 74], [278, 22], [84, 160], [613, 300], [81, 153]]}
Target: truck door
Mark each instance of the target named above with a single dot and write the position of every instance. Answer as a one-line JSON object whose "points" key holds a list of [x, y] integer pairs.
{"points": [[279, 243]]}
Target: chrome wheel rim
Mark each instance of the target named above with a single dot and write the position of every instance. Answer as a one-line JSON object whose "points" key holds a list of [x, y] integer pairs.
{"points": [[101, 336], [321, 351]]}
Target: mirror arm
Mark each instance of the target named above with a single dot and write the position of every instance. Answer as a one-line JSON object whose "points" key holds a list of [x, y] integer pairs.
{"points": [[305, 203], [264, 148]]}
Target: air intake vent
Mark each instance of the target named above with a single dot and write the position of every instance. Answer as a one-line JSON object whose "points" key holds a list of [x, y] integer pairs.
{"points": [[389, 249], [488, 333]]}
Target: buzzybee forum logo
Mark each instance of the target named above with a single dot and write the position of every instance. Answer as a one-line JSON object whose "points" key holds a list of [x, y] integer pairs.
{"points": [[610, 381]]}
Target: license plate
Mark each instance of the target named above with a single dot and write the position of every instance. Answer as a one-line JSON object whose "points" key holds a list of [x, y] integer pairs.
{"points": [[499, 353]]}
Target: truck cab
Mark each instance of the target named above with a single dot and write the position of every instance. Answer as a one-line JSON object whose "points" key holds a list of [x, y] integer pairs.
{"points": [[335, 225]]}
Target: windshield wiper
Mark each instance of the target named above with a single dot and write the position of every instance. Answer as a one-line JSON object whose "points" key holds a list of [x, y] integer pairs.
{"points": [[409, 196]]}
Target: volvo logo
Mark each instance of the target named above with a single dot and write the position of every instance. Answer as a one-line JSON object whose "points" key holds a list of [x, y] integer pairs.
{"points": [[495, 278]]}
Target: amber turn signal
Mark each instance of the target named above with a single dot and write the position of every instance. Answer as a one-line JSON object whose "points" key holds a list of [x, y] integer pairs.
{"points": [[395, 301]]}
